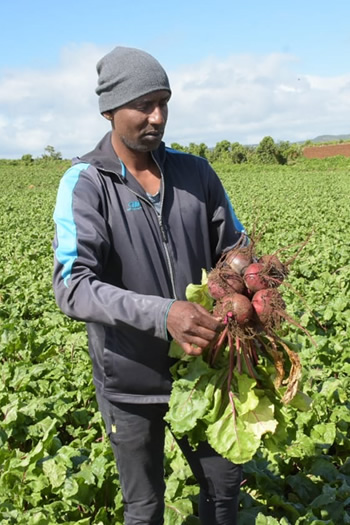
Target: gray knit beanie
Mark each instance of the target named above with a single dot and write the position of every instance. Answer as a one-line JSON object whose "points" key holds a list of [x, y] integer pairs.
{"points": [[125, 74]]}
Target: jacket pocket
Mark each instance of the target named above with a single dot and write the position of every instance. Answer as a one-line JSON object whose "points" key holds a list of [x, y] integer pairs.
{"points": [[136, 363]]}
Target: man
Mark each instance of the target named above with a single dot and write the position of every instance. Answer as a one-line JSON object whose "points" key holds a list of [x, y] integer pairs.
{"points": [[135, 224]]}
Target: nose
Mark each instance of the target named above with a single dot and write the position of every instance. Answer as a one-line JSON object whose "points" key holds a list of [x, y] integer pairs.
{"points": [[158, 115]]}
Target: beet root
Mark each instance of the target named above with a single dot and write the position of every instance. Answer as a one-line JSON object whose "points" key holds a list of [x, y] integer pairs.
{"points": [[274, 269], [223, 282], [268, 306], [236, 307], [254, 277]]}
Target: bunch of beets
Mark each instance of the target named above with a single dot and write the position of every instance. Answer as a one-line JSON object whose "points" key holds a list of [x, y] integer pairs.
{"points": [[247, 300]]}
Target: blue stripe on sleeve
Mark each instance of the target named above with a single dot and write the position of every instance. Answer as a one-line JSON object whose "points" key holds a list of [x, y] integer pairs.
{"points": [[66, 230], [239, 227]]}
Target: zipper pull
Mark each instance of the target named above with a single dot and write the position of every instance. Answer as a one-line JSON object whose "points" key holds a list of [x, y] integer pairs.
{"points": [[163, 231]]}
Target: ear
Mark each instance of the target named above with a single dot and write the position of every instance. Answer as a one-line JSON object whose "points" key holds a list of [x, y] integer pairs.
{"points": [[108, 115]]}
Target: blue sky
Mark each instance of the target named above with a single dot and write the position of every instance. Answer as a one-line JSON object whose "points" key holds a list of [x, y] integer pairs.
{"points": [[239, 70]]}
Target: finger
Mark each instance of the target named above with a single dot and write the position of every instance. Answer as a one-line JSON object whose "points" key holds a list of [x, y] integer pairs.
{"points": [[202, 336], [206, 320], [190, 349], [197, 341]]}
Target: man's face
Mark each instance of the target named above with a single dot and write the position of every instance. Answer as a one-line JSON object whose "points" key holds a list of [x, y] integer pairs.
{"points": [[140, 124]]}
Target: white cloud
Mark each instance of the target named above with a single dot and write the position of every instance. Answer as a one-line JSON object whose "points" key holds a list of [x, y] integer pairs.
{"points": [[56, 106], [242, 98], [248, 97]]}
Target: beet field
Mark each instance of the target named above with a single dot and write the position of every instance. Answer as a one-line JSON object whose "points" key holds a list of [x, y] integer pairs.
{"points": [[55, 462]]}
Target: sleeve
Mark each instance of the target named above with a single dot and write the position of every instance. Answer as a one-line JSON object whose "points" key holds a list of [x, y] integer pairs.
{"points": [[81, 248], [226, 229]]}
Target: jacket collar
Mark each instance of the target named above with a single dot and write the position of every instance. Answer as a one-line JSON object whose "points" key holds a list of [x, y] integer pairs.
{"points": [[104, 158]]}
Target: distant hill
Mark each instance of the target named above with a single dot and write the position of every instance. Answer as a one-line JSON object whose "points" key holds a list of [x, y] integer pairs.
{"points": [[330, 138], [319, 139]]}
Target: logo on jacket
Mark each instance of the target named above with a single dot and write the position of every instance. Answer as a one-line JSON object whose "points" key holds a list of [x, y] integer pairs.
{"points": [[133, 205]]}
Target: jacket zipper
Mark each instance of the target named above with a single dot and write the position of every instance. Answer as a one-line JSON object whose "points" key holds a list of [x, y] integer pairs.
{"points": [[163, 232]]}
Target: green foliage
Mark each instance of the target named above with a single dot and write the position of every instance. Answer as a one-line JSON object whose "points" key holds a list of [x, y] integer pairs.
{"points": [[221, 151], [239, 153], [293, 152], [234, 420], [51, 154], [224, 151], [55, 460], [266, 151], [27, 159], [200, 409], [178, 147], [200, 150], [56, 465], [308, 482]]}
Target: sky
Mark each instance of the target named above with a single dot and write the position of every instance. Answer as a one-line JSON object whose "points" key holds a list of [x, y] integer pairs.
{"points": [[239, 71]]}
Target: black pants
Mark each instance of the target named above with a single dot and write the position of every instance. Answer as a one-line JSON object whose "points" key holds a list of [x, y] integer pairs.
{"points": [[137, 435]]}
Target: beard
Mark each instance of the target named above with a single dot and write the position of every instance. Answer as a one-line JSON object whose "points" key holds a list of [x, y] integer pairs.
{"points": [[147, 142]]}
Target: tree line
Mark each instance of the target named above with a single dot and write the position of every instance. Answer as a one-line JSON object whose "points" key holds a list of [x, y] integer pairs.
{"points": [[266, 152]]}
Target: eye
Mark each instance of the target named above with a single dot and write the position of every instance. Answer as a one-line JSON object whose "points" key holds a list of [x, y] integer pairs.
{"points": [[148, 106], [145, 106]]}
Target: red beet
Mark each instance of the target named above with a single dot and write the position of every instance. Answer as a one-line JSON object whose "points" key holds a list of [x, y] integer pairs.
{"points": [[274, 269], [216, 287], [223, 282], [272, 260], [234, 282], [238, 260], [268, 305], [237, 307], [254, 277]]}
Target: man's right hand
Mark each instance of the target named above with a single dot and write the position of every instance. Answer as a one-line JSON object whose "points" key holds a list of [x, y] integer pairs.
{"points": [[192, 326]]}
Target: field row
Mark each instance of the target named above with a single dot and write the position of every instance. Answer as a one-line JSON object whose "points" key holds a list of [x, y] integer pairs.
{"points": [[55, 463]]}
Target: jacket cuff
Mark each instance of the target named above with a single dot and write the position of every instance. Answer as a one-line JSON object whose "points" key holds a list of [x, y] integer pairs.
{"points": [[169, 337]]}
